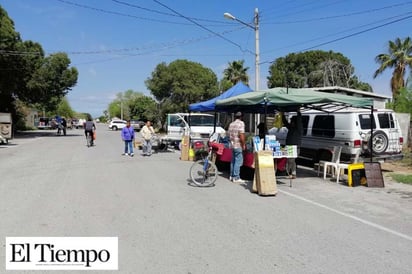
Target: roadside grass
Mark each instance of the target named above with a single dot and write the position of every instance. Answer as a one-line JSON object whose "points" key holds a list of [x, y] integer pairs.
{"points": [[402, 177]]}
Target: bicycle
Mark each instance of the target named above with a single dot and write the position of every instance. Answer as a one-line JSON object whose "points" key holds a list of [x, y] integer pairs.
{"points": [[204, 172], [89, 139]]}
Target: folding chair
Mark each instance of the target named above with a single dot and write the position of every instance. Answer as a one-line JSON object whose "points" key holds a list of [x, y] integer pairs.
{"points": [[332, 163], [343, 166]]}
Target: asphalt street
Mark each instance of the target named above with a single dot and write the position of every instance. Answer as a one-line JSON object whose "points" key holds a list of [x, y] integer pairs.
{"points": [[56, 186]]}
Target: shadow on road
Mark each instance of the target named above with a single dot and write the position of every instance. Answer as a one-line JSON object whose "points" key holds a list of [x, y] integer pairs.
{"points": [[43, 133], [25, 135]]}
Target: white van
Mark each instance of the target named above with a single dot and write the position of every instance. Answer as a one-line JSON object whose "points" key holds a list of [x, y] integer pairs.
{"points": [[198, 125], [350, 129]]}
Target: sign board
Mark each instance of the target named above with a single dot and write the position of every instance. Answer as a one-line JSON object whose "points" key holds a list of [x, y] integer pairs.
{"points": [[373, 174], [264, 182]]}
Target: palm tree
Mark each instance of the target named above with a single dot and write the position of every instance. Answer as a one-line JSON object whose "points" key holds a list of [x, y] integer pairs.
{"points": [[399, 57], [235, 72]]}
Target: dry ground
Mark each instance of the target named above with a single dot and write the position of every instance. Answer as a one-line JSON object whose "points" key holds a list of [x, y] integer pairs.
{"points": [[396, 167]]}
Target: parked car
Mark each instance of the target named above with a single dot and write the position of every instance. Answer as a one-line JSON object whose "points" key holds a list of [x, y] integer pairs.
{"points": [[137, 124], [350, 129], [74, 123], [78, 123], [117, 124], [44, 123]]}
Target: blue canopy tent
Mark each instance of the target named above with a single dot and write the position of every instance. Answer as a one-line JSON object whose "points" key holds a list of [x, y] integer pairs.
{"points": [[210, 104]]}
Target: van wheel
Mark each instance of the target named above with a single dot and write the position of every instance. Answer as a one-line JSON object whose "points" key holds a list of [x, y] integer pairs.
{"points": [[380, 142]]}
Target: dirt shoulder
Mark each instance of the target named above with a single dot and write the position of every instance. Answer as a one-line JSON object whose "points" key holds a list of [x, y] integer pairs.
{"points": [[396, 167]]}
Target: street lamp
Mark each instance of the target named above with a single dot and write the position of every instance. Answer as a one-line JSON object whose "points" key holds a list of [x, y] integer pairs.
{"points": [[255, 27]]}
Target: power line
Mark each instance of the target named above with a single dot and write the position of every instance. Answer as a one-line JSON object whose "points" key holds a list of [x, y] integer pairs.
{"points": [[138, 17], [340, 16], [162, 13], [334, 34], [19, 53], [203, 27], [352, 34], [150, 49], [308, 9], [124, 51], [118, 13], [359, 32]]}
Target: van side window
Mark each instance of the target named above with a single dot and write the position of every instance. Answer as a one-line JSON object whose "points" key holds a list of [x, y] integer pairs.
{"points": [[386, 120], [365, 121], [305, 123], [324, 126]]}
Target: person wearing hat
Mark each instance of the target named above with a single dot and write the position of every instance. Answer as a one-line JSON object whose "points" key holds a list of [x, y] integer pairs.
{"points": [[238, 144]]}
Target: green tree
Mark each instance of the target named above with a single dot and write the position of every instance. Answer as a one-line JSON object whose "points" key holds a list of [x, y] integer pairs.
{"points": [[314, 69], [181, 83], [135, 106], [236, 72], [224, 85], [26, 74], [64, 109], [117, 106], [403, 103], [398, 58], [51, 81], [143, 107]]}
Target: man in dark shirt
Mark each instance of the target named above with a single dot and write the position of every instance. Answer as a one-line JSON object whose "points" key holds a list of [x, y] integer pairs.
{"points": [[89, 128], [294, 137]]}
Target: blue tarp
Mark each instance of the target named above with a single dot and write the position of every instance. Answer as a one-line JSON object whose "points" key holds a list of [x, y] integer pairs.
{"points": [[209, 105]]}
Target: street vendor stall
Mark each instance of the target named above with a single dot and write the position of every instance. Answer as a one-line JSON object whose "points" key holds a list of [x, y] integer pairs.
{"points": [[288, 99]]}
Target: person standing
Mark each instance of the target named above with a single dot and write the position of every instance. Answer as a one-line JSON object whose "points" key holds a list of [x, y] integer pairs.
{"points": [[64, 126], [58, 121], [147, 134], [238, 144], [262, 130], [128, 138], [293, 137]]}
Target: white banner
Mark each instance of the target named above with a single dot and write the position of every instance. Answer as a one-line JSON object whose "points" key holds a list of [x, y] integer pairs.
{"points": [[61, 253]]}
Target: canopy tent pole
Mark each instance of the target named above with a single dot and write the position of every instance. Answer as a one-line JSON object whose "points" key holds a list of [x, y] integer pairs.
{"points": [[214, 123], [264, 124], [371, 138]]}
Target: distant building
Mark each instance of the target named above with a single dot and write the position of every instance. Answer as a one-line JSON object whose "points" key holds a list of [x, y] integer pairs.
{"points": [[379, 101], [32, 118]]}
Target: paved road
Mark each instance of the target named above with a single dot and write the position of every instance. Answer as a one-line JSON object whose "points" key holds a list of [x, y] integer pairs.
{"points": [[56, 186]]}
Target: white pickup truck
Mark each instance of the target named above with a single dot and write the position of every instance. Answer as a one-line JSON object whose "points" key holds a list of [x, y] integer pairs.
{"points": [[197, 125]]}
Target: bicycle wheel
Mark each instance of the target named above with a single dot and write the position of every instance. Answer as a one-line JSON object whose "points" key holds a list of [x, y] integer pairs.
{"points": [[89, 140], [203, 174]]}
